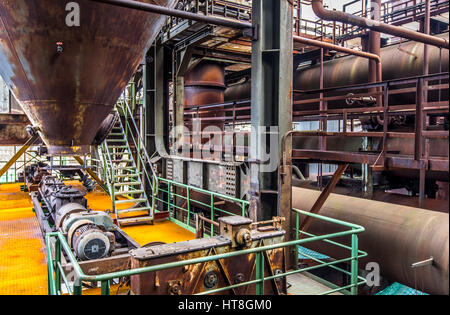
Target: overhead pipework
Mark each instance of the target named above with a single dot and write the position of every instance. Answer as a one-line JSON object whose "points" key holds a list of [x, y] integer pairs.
{"points": [[329, 15]]}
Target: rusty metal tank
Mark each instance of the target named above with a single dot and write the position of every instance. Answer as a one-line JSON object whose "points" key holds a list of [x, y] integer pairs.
{"points": [[67, 78], [204, 84], [395, 237], [399, 61]]}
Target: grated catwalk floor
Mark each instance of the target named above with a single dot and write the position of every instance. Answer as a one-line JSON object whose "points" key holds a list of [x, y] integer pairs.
{"points": [[23, 266]]}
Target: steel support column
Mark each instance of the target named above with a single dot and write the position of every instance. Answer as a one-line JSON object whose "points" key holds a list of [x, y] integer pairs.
{"points": [[271, 106]]}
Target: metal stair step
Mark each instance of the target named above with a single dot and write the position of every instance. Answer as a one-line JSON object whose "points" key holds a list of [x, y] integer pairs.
{"points": [[133, 210], [115, 140], [122, 161], [130, 201], [118, 147], [127, 184], [129, 175], [135, 220], [130, 192], [120, 153]]}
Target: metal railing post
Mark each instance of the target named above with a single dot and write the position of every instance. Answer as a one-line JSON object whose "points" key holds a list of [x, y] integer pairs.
{"points": [[297, 237], [212, 215], [169, 204], [106, 289], [77, 288], [354, 265], [188, 205], [57, 262], [260, 273]]}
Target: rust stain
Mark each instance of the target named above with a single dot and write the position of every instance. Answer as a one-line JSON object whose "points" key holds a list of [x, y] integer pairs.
{"points": [[69, 94]]}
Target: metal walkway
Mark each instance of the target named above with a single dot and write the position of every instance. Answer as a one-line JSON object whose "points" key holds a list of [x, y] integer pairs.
{"points": [[23, 265]]}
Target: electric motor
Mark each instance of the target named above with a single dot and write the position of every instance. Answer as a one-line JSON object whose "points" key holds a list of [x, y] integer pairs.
{"points": [[89, 242], [89, 233]]}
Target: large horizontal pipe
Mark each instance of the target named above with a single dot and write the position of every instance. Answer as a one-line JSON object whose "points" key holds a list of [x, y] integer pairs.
{"points": [[176, 13], [396, 237], [399, 61], [325, 45], [338, 16]]}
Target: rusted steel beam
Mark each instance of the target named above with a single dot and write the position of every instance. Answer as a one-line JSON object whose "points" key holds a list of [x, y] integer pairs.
{"points": [[12, 129], [324, 196], [393, 161], [328, 15]]}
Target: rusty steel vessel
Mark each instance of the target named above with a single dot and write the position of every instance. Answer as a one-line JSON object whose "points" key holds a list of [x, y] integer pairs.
{"points": [[67, 71], [396, 237], [401, 60]]}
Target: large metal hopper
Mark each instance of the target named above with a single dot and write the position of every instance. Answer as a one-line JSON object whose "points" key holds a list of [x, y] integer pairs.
{"points": [[68, 94]]}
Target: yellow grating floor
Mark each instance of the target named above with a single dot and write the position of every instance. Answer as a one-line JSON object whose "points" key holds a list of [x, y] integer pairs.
{"points": [[165, 231], [23, 267]]}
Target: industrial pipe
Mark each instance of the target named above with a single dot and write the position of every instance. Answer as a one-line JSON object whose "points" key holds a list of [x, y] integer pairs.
{"points": [[152, 8], [396, 237], [375, 47], [318, 43], [328, 15]]}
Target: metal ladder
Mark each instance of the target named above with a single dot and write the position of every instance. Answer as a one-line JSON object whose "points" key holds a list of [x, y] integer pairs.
{"points": [[124, 180]]}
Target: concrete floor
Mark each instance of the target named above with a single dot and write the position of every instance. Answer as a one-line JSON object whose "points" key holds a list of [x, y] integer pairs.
{"points": [[304, 284]]}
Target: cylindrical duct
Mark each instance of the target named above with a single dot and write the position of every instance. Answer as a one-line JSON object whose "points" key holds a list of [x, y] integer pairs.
{"points": [[204, 84], [396, 237]]}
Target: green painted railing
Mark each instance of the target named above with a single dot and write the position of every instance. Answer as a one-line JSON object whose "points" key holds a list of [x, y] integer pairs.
{"points": [[212, 197], [57, 277], [131, 130], [28, 158]]}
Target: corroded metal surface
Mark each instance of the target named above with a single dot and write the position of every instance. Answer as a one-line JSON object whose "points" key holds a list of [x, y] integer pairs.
{"points": [[68, 94], [209, 275], [204, 84], [399, 61], [395, 237], [12, 129]]}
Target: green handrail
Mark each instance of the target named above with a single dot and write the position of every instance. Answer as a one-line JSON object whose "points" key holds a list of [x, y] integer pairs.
{"points": [[143, 157], [105, 279], [189, 200]]}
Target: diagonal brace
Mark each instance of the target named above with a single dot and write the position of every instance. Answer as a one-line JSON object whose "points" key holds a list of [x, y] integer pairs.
{"points": [[324, 196]]}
